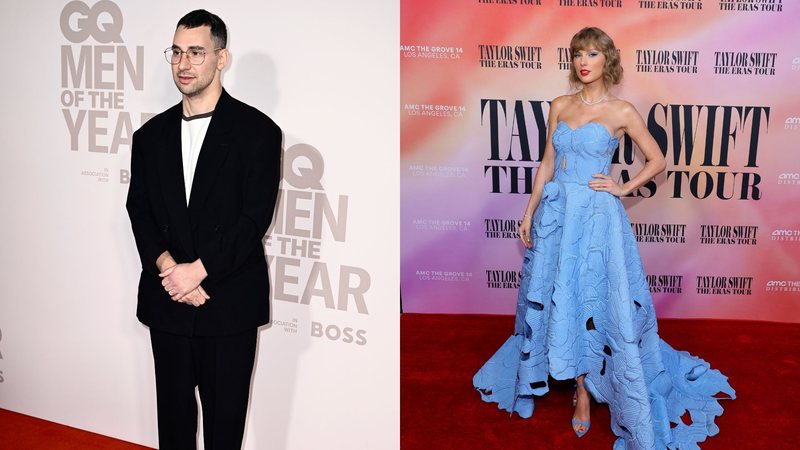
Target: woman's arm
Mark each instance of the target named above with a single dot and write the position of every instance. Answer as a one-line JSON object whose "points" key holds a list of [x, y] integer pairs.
{"points": [[634, 126], [543, 174]]}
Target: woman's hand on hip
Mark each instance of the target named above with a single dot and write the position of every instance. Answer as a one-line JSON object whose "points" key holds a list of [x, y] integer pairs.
{"points": [[604, 183]]}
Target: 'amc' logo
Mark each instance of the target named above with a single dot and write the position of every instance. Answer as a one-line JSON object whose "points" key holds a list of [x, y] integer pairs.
{"points": [[103, 22]]}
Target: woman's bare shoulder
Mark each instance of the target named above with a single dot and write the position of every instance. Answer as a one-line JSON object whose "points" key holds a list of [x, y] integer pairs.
{"points": [[561, 102], [621, 105], [623, 110]]}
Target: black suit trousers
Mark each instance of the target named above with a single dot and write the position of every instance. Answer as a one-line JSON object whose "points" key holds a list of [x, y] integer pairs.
{"points": [[221, 367]]}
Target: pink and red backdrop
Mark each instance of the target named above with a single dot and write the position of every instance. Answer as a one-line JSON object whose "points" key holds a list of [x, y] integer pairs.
{"points": [[716, 82]]}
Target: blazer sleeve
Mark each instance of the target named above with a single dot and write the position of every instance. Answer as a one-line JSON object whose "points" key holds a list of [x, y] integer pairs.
{"points": [[224, 256], [150, 241]]}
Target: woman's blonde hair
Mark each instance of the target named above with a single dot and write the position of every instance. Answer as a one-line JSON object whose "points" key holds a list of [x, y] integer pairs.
{"points": [[595, 37]]}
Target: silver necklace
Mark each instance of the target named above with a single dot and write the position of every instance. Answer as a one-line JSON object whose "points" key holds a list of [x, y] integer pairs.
{"points": [[601, 100]]}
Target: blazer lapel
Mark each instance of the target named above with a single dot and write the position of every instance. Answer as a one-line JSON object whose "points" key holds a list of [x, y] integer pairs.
{"points": [[212, 156], [170, 169]]}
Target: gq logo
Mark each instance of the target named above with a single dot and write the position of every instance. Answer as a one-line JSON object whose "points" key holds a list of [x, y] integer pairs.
{"points": [[299, 175], [96, 75], [304, 214], [103, 22]]}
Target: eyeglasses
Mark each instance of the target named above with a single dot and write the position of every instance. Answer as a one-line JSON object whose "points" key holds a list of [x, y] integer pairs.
{"points": [[196, 56]]}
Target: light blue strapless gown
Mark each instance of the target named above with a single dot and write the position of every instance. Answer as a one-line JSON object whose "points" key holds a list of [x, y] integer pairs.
{"points": [[584, 307]]}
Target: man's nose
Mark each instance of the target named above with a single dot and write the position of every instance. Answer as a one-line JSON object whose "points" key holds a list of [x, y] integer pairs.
{"points": [[183, 62]]}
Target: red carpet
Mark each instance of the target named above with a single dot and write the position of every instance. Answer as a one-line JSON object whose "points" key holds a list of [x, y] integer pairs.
{"points": [[21, 432], [440, 409]]}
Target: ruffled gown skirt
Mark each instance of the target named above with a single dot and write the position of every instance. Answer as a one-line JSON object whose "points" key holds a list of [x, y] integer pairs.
{"points": [[584, 308]]}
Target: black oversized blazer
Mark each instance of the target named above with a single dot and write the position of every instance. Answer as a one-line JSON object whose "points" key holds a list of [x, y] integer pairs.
{"points": [[231, 205]]}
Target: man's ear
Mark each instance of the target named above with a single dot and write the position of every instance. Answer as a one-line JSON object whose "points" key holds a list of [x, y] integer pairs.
{"points": [[222, 61]]}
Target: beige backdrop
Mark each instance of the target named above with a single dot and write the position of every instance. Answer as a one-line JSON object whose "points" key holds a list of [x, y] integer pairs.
{"points": [[79, 78]]}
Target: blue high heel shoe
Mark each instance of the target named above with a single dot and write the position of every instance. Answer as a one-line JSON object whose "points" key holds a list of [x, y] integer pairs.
{"points": [[586, 424], [578, 422]]}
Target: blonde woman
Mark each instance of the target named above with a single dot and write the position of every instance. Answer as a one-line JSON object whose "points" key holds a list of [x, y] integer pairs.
{"points": [[584, 310]]}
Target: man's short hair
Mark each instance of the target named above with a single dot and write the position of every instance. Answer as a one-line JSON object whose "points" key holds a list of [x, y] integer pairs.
{"points": [[200, 18]]}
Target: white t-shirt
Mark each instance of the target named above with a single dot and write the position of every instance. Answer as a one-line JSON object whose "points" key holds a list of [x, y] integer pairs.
{"points": [[193, 132]]}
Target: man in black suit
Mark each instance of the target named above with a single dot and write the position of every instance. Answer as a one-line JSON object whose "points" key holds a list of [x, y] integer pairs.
{"points": [[203, 187]]}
